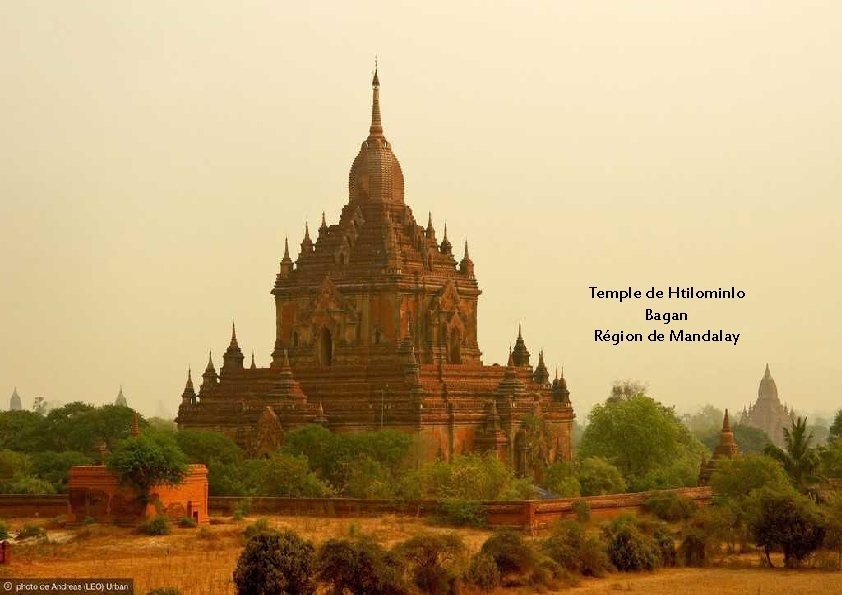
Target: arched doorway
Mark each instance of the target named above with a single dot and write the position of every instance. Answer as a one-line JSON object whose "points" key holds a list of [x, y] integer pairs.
{"points": [[325, 348]]}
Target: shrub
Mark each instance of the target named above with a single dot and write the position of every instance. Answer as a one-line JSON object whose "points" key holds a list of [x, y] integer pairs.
{"points": [[360, 567], [187, 522], [434, 561], [628, 548], [462, 513], [582, 510], [30, 530], [666, 547], [164, 591], [275, 563], [564, 543], [242, 509], [574, 550], [669, 506], [511, 553], [790, 522], [560, 479], [593, 557], [4, 530], [598, 477], [160, 525], [483, 572], [693, 549], [261, 525]]}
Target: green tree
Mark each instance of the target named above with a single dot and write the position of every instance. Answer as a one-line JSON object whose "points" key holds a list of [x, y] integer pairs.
{"points": [[799, 460], [434, 560], [148, 460], [22, 431], [836, 426], [598, 477], [789, 522], [560, 479], [290, 476], [276, 564], [623, 390], [831, 459], [645, 440], [206, 447], [54, 467], [359, 567], [705, 422]]}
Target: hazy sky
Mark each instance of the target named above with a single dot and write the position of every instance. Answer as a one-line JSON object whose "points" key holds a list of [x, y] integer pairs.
{"points": [[154, 155]]}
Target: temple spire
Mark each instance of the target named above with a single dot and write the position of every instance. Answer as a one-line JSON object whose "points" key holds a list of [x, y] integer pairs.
{"points": [[189, 379], [253, 365], [286, 248], [233, 344], [376, 128], [726, 424]]}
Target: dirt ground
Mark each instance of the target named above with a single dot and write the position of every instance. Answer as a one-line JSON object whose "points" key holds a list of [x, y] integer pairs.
{"points": [[201, 562]]}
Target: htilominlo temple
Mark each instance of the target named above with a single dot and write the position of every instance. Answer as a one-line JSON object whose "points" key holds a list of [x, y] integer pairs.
{"points": [[376, 328]]}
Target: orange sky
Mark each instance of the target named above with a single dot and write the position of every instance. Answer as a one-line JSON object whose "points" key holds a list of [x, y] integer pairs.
{"points": [[155, 154]]}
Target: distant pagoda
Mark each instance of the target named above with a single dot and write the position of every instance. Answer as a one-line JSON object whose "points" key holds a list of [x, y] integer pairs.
{"points": [[768, 413], [726, 449]]}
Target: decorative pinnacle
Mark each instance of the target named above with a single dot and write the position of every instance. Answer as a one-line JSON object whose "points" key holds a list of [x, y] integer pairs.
{"points": [[324, 223], [253, 366], [726, 424], [511, 360], [445, 231], [286, 248], [189, 378], [467, 256], [768, 373], [233, 335], [519, 334], [307, 233], [210, 367], [376, 128]]}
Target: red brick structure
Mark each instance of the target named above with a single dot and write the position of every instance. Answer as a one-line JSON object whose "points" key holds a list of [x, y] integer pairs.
{"points": [[376, 327], [726, 449], [95, 492]]}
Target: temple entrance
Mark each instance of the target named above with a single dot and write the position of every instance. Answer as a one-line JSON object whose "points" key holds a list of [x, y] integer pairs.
{"points": [[325, 348], [454, 355]]}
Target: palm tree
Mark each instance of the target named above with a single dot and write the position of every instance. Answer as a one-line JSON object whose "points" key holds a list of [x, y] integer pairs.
{"points": [[799, 460]]}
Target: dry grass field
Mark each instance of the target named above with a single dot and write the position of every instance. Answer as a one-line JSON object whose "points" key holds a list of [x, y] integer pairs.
{"points": [[200, 562]]}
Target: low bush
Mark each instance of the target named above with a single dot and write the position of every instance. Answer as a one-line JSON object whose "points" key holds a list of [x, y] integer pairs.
{"points": [[160, 525], [261, 525], [276, 563], [462, 513], [670, 507], [576, 551], [693, 548], [242, 509], [433, 560], [629, 550], [30, 530], [187, 522], [359, 566], [483, 572], [511, 553], [666, 547], [582, 510]]}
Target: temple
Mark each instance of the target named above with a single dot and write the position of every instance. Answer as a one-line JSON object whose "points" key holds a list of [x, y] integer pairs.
{"points": [[768, 413], [120, 401], [376, 328], [726, 449], [14, 401]]}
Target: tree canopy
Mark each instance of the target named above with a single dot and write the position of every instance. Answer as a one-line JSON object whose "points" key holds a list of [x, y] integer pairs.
{"points": [[645, 440], [148, 460]]}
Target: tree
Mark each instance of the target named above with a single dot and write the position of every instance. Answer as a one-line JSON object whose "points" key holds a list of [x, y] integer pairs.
{"points": [[598, 477], [205, 447], [22, 431], [434, 560], [736, 479], [623, 390], [645, 440], [290, 476], [54, 467], [836, 426], [706, 421], [789, 522], [799, 460], [276, 564], [359, 567], [148, 460]]}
